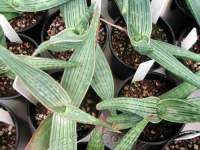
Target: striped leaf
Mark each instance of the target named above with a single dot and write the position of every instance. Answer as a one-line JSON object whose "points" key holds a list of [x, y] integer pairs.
{"points": [[60, 139], [62, 41], [77, 80], [2, 38], [167, 60], [33, 5], [73, 11], [194, 6], [39, 84], [194, 101], [139, 21], [102, 82], [5, 7], [96, 140], [146, 107], [41, 136], [179, 111], [178, 52], [131, 137]]}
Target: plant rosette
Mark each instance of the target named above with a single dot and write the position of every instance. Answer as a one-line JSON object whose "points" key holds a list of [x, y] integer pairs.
{"points": [[27, 47], [186, 144], [125, 60], [27, 21], [39, 113], [55, 24], [9, 134], [193, 66], [155, 84]]}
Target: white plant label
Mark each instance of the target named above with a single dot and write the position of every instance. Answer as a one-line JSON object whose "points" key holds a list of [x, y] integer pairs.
{"points": [[188, 136], [190, 40], [5, 117], [157, 9], [9, 32], [20, 87], [143, 70]]}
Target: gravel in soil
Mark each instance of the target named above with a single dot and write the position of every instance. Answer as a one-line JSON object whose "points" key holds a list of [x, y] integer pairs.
{"points": [[25, 48], [192, 144], [88, 105], [194, 66], [125, 51], [25, 21], [58, 25], [8, 137], [146, 88]]}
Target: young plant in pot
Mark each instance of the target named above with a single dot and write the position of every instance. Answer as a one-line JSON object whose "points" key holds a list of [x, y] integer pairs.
{"points": [[151, 109], [125, 59], [75, 82], [9, 129], [189, 140], [139, 23]]}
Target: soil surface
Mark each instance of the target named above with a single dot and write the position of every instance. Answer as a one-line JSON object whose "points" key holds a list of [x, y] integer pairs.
{"points": [[146, 88], [6, 89], [25, 21], [125, 51], [192, 144], [8, 137]]}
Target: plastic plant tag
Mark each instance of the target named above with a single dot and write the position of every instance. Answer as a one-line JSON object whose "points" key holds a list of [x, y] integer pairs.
{"points": [[9, 32], [5, 117], [188, 136], [20, 87], [157, 8], [142, 70], [190, 40]]}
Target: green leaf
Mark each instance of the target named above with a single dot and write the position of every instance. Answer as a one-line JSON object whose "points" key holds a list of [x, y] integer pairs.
{"points": [[62, 41], [194, 101], [167, 60], [41, 136], [178, 111], [194, 6], [96, 140], [146, 107], [139, 21], [77, 80], [33, 5], [178, 52], [123, 7], [5, 7], [73, 11], [131, 137], [48, 91], [102, 82], [2, 38], [60, 139]]}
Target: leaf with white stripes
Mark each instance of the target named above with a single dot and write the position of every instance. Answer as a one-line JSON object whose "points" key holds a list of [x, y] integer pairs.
{"points": [[5, 7], [33, 5], [102, 82], [131, 137]]}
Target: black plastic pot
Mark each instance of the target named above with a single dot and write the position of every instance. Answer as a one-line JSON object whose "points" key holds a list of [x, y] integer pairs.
{"points": [[83, 146], [113, 9], [123, 70], [179, 135], [34, 30], [16, 123], [145, 145]]}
